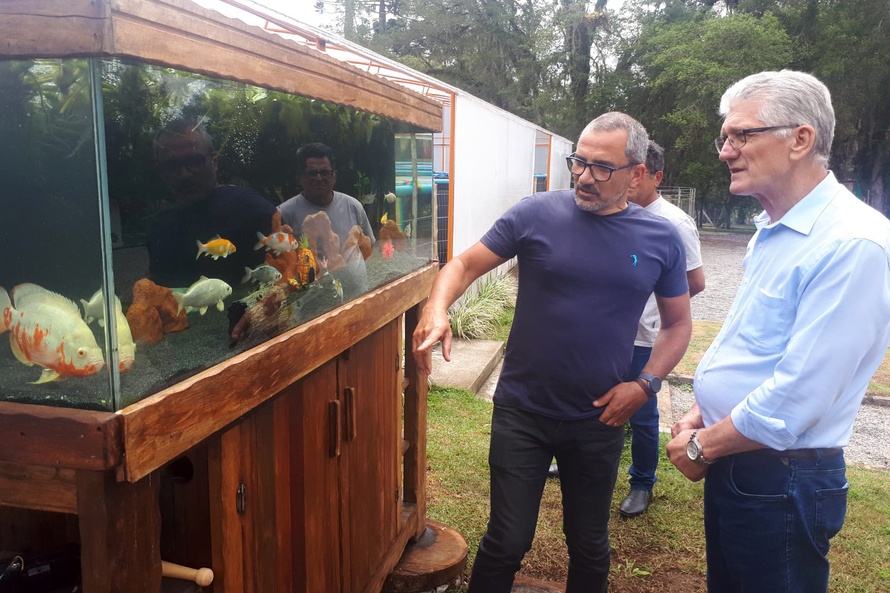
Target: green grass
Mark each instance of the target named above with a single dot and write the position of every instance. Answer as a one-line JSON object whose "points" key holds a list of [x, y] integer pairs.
{"points": [[487, 311], [661, 551]]}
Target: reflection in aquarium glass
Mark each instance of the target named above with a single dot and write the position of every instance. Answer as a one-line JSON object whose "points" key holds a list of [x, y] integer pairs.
{"points": [[219, 236]]}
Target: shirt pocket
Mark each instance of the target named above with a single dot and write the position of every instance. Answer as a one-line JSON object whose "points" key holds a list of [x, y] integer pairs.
{"points": [[768, 323]]}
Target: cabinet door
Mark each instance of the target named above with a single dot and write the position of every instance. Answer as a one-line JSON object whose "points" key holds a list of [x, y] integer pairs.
{"points": [[315, 477], [370, 377]]}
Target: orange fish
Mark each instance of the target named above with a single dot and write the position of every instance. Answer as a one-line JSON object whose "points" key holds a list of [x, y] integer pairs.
{"points": [[279, 242], [46, 329], [216, 247]]}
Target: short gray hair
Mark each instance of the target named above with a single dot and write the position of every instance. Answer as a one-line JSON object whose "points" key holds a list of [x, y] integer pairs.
{"points": [[654, 158], [637, 138], [789, 98]]}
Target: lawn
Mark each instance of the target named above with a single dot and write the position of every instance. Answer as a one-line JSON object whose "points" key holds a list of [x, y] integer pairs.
{"points": [[661, 551]]}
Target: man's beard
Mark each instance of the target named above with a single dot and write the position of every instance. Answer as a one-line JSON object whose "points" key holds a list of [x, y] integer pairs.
{"points": [[600, 204]]}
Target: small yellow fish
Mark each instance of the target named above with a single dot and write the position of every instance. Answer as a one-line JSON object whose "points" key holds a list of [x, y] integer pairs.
{"points": [[384, 218], [338, 289], [216, 247]]}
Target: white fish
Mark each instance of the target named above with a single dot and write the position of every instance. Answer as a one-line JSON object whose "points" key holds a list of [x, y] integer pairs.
{"points": [[126, 347], [46, 329], [263, 274], [202, 294], [94, 309]]}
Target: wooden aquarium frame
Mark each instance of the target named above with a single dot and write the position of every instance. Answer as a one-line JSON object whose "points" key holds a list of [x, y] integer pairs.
{"points": [[331, 406]]}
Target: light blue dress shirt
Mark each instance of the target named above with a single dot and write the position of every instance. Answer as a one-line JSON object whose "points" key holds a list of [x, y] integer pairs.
{"points": [[809, 325]]}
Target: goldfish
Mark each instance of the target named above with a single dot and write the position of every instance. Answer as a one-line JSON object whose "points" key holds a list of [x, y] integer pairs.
{"points": [[203, 293], [263, 274], [94, 309], [46, 329], [279, 242], [384, 218], [216, 247]]}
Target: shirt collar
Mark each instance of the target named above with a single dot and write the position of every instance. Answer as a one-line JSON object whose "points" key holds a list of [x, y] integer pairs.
{"points": [[804, 214]]}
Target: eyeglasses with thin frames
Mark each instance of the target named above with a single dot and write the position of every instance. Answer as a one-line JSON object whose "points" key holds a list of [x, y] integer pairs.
{"points": [[193, 164], [741, 137], [601, 173], [323, 173]]}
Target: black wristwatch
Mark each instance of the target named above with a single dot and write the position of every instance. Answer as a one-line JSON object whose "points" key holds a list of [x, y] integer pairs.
{"points": [[694, 450], [650, 383]]}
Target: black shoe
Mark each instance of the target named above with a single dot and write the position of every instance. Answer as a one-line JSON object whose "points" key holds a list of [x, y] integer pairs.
{"points": [[635, 503], [553, 472]]}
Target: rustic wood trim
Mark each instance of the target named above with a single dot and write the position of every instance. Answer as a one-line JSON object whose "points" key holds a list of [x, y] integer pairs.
{"points": [[60, 437], [172, 421], [415, 426], [39, 488], [181, 34], [120, 532]]}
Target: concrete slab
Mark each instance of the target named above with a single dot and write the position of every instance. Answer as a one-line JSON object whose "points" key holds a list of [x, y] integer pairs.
{"points": [[472, 362]]}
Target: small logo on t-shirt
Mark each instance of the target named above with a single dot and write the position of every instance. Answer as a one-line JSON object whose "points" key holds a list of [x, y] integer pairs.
{"points": [[635, 260]]}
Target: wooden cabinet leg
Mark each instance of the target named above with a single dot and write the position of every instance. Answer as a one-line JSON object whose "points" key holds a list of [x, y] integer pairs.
{"points": [[120, 533]]}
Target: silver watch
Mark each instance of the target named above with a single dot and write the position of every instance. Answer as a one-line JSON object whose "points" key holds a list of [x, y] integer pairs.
{"points": [[694, 450]]}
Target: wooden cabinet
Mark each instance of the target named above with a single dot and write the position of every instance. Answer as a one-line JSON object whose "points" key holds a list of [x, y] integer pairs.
{"points": [[298, 467], [316, 488]]}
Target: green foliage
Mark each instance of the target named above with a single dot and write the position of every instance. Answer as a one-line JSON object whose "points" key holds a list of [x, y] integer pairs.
{"points": [[479, 314]]}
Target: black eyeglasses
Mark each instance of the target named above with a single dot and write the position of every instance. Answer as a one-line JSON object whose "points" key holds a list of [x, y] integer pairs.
{"points": [[601, 173], [193, 164], [323, 173], [741, 137]]}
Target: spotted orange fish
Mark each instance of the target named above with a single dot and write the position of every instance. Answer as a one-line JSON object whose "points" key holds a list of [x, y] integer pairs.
{"points": [[216, 248], [279, 242], [45, 329]]}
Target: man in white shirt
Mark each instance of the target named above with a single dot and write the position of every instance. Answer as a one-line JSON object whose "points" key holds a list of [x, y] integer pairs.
{"points": [[644, 445]]}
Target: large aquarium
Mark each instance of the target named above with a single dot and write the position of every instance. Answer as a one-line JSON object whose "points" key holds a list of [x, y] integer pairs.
{"points": [[157, 222]]}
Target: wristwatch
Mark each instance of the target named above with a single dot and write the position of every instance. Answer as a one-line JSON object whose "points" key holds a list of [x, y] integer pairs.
{"points": [[650, 383], [694, 450]]}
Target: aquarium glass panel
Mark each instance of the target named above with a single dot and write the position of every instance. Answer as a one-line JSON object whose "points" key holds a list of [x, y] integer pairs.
{"points": [[51, 243], [203, 264]]}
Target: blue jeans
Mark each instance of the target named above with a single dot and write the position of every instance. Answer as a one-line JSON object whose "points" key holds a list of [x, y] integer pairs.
{"points": [[522, 446], [644, 444], [768, 521]]}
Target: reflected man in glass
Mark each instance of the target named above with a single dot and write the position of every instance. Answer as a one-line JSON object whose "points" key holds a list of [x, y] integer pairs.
{"points": [[212, 229], [334, 223]]}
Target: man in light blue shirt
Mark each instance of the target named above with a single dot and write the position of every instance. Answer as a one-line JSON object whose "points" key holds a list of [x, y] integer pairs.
{"points": [[778, 390]]}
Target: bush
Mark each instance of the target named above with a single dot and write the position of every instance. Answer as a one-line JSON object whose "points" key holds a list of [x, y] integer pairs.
{"points": [[478, 315]]}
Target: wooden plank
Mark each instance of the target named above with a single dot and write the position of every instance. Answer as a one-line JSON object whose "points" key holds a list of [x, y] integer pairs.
{"points": [[37, 487], [120, 532], [224, 476], [60, 437], [283, 432], [172, 421], [415, 426], [78, 27], [233, 50], [184, 35]]}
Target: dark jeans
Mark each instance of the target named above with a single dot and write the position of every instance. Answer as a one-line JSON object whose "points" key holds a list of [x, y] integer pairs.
{"points": [[522, 446], [768, 521], [644, 443]]}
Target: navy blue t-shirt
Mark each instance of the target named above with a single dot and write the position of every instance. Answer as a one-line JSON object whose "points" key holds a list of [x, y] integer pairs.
{"points": [[232, 212], [583, 282]]}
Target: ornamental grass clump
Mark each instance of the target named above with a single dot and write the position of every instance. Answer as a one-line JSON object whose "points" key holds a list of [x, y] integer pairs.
{"points": [[478, 315]]}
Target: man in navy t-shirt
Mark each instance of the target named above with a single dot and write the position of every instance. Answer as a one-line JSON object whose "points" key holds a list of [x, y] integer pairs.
{"points": [[588, 260]]}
